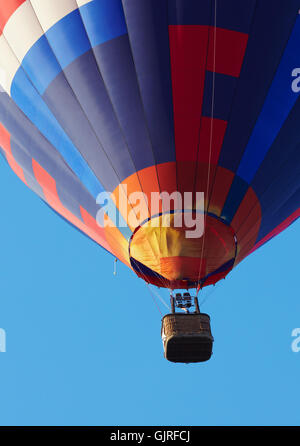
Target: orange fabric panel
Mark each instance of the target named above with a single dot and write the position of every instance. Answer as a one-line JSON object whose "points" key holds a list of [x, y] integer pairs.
{"points": [[149, 181], [111, 236], [179, 268], [122, 192]]}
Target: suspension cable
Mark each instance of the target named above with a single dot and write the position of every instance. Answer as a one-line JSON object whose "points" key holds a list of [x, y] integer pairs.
{"points": [[211, 131]]}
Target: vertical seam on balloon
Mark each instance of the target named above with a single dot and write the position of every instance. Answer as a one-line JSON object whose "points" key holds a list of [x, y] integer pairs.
{"points": [[199, 135], [169, 55], [233, 100], [142, 103], [171, 86], [145, 116], [114, 110], [201, 120], [121, 129]]}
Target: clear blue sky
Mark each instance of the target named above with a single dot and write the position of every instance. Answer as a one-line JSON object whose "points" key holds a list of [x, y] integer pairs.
{"points": [[84, 347]]}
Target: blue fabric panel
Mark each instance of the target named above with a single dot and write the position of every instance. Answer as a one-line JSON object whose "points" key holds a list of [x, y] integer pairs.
{"points": [[2, 153], [267, 37], [235, 15], [223, 95], [26, 135], [68, 38], [117, 68], [41, 65], [278, 104], [235, 196], [63, 103], [281, 190], [103, 20], [274, 219], [278, 174], [30, 102], [53, 52], [86, 81], [25, 161]]}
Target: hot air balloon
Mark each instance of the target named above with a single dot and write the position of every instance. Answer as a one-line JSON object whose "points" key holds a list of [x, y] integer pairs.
{"points": [[119, 97]]}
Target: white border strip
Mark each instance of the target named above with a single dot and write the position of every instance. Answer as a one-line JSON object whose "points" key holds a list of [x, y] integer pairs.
{"points": [[25, 27]]}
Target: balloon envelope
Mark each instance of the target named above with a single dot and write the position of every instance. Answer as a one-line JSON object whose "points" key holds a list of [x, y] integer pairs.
{"points": [[157, 96]]}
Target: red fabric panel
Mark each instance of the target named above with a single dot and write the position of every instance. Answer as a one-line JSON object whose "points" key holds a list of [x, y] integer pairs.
{"points": [[204, 180], [5, 144], [222, 183], [211, 139], [89, 226], [167, 177], [7, 8], [242, 215], [188, 51], [230, 48], [4, 138], [246, 223]]}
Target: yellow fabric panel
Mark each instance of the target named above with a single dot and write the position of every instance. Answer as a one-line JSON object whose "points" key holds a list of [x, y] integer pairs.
{"points": [[167, 250]]}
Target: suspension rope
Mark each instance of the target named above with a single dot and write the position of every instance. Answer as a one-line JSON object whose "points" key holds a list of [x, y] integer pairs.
{"points": [[153, 297], [161, 299], [150, 290], [208, 295], [211, 130]]}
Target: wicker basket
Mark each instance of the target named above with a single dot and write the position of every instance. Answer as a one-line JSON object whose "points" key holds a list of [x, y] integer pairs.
{"points": [[187, 337]]}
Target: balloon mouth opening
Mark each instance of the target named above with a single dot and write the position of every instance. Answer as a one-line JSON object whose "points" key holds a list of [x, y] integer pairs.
{"points": [[168, 254]]}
